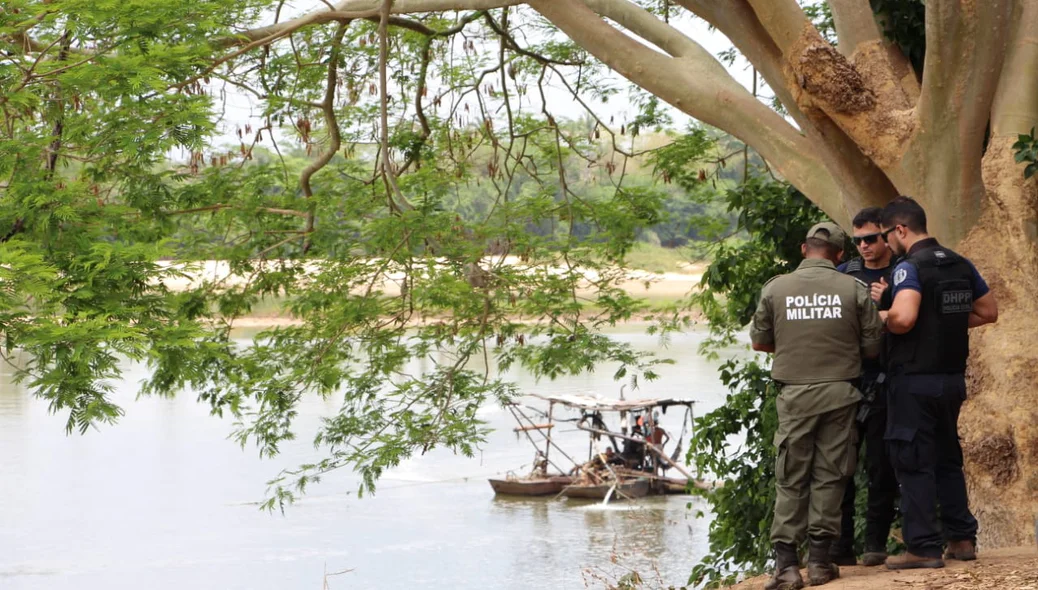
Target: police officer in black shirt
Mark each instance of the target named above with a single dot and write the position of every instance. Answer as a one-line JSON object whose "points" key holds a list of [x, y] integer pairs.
{"points": [[873, 268], [937, 296]]}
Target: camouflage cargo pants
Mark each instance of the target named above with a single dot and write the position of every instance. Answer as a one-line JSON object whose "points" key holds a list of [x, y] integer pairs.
{"points": [[816, 456]]}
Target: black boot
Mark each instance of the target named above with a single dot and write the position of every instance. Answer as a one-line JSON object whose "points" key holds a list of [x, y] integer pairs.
{"points": [[820, 567], [843, 554], [875, 553], [787, 569]]}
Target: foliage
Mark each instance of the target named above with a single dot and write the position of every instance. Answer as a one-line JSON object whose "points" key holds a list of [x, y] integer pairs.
{"points": [[821, 15], [413, 262], [1026, 148], [903, 22], [82, 274], [740, 532], [415, 199]]}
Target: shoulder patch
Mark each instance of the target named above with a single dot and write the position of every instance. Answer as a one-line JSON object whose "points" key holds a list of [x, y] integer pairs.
{"points": [[899, 276]]}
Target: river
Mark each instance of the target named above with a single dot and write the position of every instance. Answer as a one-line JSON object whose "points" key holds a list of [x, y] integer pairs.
{"points": [[163, 500]]}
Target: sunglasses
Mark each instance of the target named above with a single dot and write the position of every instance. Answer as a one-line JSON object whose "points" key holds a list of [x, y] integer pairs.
{"points": [[884, 234], [869, 239]]}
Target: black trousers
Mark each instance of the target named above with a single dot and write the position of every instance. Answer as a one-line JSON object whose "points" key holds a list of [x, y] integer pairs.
{"points": [[923, 442], [882, 487]]}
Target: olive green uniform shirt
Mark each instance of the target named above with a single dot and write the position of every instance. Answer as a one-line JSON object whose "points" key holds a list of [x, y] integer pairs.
{"points": [[821, 322]]}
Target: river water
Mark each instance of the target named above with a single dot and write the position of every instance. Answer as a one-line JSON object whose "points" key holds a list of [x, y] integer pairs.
{"points": [[164, 501]]}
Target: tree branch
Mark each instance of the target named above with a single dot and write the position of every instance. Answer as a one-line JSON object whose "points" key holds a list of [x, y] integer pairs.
{"points": [[370, 8], [965, 48], [699, 86], [25, 44], [738, 22], [59, 125], [406, 23], [220, 206], [644, 24], [784, 20], [861, 182], [334, 137], [862, 112], [265, 35], [388, 175], [57, 132], [514, 46], [1015, 107], [855, 24], [860, 37]]}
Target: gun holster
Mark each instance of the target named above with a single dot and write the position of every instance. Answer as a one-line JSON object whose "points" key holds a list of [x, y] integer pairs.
{"points": [[869, 390]]}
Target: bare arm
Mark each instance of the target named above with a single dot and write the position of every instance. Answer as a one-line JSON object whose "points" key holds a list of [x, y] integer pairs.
{"points": [[904, 311], [985, 311], [760, 347]]}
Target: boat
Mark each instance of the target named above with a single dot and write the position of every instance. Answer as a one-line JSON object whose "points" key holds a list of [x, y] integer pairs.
{"points": [[626, 490], [674, 485], [632, 456], [532, 486], [663, 485]]}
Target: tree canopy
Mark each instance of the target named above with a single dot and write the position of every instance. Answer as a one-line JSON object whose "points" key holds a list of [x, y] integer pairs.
{"points": [[115, 176]]}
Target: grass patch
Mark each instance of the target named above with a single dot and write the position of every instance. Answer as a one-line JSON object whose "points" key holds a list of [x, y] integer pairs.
{"points": [[652, 258]]}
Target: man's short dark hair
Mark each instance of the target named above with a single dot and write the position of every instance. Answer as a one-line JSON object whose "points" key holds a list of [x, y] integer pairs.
{"points": [[820, 245], [904, 211], [868, 215]]}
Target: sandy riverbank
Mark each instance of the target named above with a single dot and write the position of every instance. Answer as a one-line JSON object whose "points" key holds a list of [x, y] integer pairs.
{"points": [[640, 284]]}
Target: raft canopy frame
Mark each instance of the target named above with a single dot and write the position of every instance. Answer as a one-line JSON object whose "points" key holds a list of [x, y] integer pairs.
{"points": [[597, 404]]}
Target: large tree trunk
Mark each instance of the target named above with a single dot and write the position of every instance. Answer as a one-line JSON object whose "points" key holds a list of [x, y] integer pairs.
{"points": [[999, 423], [977, 201]]}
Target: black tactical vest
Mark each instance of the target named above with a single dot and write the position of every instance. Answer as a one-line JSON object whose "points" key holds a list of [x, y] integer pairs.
{"points": [[856, 268], [939, 341]]}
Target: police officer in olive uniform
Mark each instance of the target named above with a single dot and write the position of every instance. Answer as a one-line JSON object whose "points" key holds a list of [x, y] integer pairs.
{"points": [[809, 319], [937, 297], [874, 268]]}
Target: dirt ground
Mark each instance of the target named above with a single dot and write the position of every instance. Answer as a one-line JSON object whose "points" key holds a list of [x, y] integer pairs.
{"points": [[999, 569]]}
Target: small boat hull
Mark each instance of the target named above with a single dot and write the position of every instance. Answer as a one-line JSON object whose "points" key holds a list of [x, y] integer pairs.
{"points": [[673, 485], [638, 488], [530, 487]]}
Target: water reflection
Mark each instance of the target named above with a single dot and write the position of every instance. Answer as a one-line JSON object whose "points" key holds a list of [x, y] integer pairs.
{"points": [[164, 501]]}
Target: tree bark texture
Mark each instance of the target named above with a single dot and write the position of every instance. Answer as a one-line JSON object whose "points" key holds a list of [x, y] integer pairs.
{"points": [[999, 421]]}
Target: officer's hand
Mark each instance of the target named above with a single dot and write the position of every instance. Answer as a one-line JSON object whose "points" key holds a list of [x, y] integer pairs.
{"points": [[878, 288]]}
